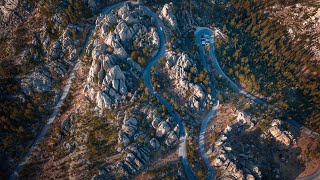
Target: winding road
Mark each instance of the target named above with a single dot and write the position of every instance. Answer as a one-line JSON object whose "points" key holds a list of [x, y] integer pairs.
{"points": [[213, 110], [146, 77]]}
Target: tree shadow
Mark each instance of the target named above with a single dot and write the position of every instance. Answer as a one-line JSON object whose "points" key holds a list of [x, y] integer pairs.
{"points": [[252, 152]]}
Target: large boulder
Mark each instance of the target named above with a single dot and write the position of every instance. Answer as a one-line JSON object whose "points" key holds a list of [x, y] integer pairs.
{"points": [[130, 126], [136, 66], [116, 79], [284, 137], [155, 123], [38, 81], [120, 52]]}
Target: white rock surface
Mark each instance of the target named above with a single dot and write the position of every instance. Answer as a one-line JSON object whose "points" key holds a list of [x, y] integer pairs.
{"points": [[163, 129], [154, 143]]}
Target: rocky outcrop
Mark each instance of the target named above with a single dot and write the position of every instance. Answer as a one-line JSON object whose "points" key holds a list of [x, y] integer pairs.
{"points": [[126, 32], [284, 137], [112, 84], [181, 68], [154, 143], [167, 129], [225, 158], [168, 17], [162, 129], [172, 139], [135, 159], [107, 83], [155, 37], [109, 78], [38, 81], [130, 126], [128, 131]]}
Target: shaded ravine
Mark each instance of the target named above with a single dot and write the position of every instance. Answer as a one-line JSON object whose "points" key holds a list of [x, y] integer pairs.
{"points": [[146, 77], [65, 92]]}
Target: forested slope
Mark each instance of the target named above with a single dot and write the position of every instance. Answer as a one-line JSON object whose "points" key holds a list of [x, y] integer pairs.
{"points": [[260, 52]]}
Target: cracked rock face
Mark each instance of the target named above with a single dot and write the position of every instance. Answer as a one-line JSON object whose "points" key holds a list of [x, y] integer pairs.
{"points": [[182, 66], [135, 159], [112, 84]]}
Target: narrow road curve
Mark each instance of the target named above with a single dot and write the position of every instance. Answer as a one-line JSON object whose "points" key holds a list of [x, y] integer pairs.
{"points": [[172, 112], [203, 153], [213, 110], [24, 159]]}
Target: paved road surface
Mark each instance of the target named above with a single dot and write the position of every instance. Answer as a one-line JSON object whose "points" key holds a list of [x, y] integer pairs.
{"points": [[205, 121], [202, 142]]}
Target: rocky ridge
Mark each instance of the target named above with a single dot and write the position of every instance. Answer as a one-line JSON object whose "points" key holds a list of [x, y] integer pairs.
{"points": [[107, 83]]}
